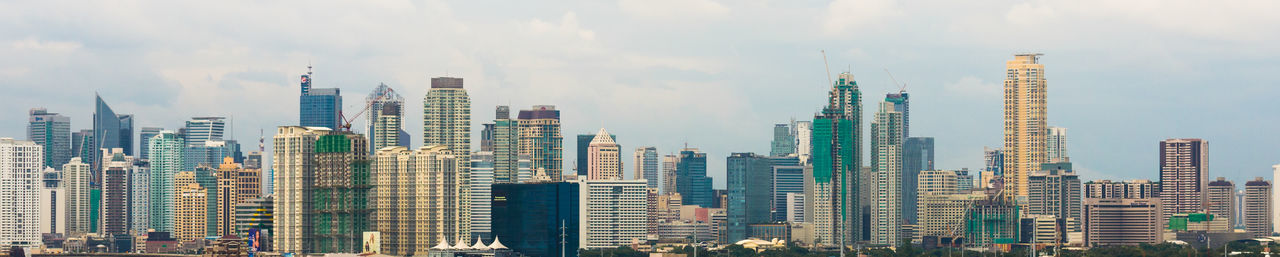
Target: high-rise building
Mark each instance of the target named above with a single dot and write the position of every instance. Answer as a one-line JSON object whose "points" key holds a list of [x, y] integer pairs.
{"points": [[206, 179], [992, 221], [787, 177], [534, 218], [917, 156], [140, 197], [189, 220], [887, 159], [748, 204], [248, 183], [319, 107], [902, 103], [1220, 202], [144, 141], [295, 168], [1122, 222], [1055, 191], [646, 165], [110, 130], [1183, 175], [481, 194], [166, 161], [199, 130], [613, 213], [385, 118], [228, 186], [795, 212], [937, 184], [76, 176], [784, 142], [51, 131], [117, 169], [81, 145], [1131, 189], [834, 180], [804, 140], [506, 146], [1056, 146], [446, 120], [417, 196], [340, 194], [691, 178], [540, 138], [580, 164], [604, 157], [942, 215], [53, 203], [669, 163], [1025, 117], [651, 211], [964, 180], [209, 154], [1257, 207], [1275, 197], [256, 214], [21, 166]]}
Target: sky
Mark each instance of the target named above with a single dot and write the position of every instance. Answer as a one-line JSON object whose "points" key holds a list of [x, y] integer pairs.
{"points": [[715, 75]]}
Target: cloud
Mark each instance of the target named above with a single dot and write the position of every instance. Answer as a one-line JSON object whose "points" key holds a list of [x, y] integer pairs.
{"points": [[974, 88], [674, 10], [845, 16]]}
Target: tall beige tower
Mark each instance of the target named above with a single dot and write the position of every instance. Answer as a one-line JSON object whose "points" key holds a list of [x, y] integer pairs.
{"points": [[446, 120], [415, 203], [604, 160], [1025, 115]]}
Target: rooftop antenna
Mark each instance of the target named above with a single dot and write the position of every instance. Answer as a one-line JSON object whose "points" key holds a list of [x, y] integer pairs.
{"points": [[902, 87], [308, 67]]}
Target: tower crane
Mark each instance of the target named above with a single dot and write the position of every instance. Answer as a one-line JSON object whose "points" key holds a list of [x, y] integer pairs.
{"points": [[346, 123]]}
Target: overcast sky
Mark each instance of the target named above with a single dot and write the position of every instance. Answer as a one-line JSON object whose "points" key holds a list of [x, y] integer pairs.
{"points": [[717, 75]]}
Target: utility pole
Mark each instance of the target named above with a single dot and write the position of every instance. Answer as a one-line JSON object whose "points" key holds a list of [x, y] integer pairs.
{"points": [[562, 238]]}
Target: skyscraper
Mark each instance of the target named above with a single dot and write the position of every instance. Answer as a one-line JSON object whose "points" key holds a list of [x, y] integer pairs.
{"points": [[646, 165], [82, 145], [748, 204], [481, 194], [1056, 146], [140, 197], [917, 156], [341, 208], [787, 178], [144, 139], [386, 109], [902, 103], [604, 157], [76, 176], [166, 161], [295, 170], [1132, 189], [319, 107], [1257, 207], [21, 166], [110, 130], [51, 131], [836, 161], [669, 163], [1183, 175], [199, 130], [887, 161], [228, 195], [691, 178], [540, 138], [804, 138], [1055, 191], [506, 146], [584, 143], [117, 169], [613, 213], [446, 120], [417, 199], [1275, 197], [1025, 112], [535, 218], [784, 142], [189, 217], [1220, 202], [53, 203]]}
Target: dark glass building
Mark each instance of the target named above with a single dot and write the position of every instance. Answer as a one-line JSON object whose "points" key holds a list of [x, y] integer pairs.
{"points": [[110, 130], [748, 175], [691, 179], [528, 218], [917, 154], [319, 107], [584, 141]]}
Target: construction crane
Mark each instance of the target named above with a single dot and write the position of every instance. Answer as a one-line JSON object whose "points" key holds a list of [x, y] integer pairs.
{"points": [[346, 123], [902, 87]]}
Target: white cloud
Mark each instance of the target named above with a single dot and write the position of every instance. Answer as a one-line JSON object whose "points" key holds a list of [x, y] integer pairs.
{"points": [[845, 16], [973, 87], [674, 10]]}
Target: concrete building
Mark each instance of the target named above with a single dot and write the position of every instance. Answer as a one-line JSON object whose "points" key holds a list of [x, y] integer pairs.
{"points": [[76, 176], [1257, 207], [1220, 200], [199, 130], [295, 168], [784, 142], [917, 156], [319, 107], [117, 169], [804, 140], [646, 165], [1129, 189], [541, 140], [837, 156], [417, 200], [189, 220], [583, 144], [166, 160], [144, 141], [1025, 115], [1275, 197], [613, 213], [140, 200], [228, 196], [21, 164], [992, 222], [53, 203], [1054, 191], [385, 119], [1057, 145], [1110, 221], [340, 192], [942, 215], [748, 204], [1183, 175], [51, 131], [669, 163], [795, 207], [887, 160], [604, 157]]}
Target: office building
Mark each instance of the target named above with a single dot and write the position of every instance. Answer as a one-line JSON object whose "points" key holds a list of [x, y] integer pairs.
{"points": [[533, 219], [669, 163], [917, 156], [21, 164], [1025, 117], [385, 118], [651, 212], [209, 154], [1055, 191], [795, 212], [81, 145], [613, 213], [248, 183], [1220, 202], [804, 140], [1183, 175], [199, 130], [481, 194], [166, 161], [691, 178], [787, 178], [417, 199], [1257, 207], [540, 138], [76, 176], [506, 146], [319, 107], [228, 195], [1129, 189], [51, 131], [964, 180], [190, 201], [584, 144], [784, 142], [110, 130], [747, 204], [144, 141], [255, 215], [834, 209], [604, 157], [1275, 197], [140, 198], [646, 165], [1109, 221], [887, 159], [1056, 146], [117, 169], [53, 203]]}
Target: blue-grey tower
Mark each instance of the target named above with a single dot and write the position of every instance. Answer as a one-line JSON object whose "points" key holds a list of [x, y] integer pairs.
{"points": [[319, 107]]}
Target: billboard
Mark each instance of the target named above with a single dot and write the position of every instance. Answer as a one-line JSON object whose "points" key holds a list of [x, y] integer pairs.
{"points": [[372, 242]]}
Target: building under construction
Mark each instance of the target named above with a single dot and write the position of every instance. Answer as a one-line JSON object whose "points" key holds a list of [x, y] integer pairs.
{"points": [[340, 196], [992, 223]]}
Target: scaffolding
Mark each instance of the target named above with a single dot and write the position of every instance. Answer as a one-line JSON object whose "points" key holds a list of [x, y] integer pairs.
{"points": [[340, 195]]}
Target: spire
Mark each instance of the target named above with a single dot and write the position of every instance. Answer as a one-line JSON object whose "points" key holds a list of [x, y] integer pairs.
{"points": [[602, 137]]}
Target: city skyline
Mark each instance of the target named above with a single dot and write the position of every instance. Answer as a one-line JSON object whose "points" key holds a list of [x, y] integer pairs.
{"points": [[159, 91]]}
